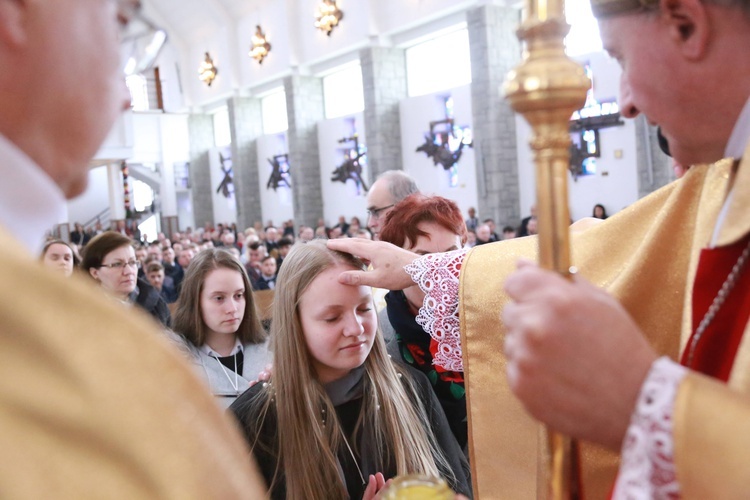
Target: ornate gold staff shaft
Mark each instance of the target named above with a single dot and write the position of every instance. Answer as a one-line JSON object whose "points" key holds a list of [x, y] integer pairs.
{"points": [[546, 89]]}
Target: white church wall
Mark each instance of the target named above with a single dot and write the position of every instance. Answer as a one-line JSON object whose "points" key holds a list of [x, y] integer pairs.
{"points": [[154, 138], [225, 208], [168, 63], [218, 46], [615, 183], [339, 198], [93, 201], [272, 17], [278, 205], [416, 114]]}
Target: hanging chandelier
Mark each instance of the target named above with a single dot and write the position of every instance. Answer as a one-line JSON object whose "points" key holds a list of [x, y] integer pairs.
{"points": [[207, 71], [328, 16], [261, 47]]}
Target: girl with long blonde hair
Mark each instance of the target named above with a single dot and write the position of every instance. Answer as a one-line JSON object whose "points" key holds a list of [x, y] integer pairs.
{"points": [[338, 416]]}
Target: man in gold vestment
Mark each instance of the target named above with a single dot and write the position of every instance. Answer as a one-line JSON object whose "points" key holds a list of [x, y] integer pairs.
{"points": [[93, 403], [675, 267]]}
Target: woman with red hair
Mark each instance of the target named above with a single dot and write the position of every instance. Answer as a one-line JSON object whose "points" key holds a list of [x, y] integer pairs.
{"points": [[424, 224]]}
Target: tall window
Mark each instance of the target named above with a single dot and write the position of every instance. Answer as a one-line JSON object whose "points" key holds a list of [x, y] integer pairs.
{"points": [[138, 87], [143, 195], [273, 108], [222, 134], [584, 30], [343, 92], [443, 62]]}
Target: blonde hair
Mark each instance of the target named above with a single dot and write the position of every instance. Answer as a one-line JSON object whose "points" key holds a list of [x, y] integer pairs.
{"points": [[393, 417]]}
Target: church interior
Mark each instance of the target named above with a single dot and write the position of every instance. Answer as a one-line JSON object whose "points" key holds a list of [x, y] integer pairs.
{"points": [[259, 111]]}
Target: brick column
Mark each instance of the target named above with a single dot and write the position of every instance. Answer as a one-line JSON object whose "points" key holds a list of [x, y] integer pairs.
{"points": [[246, 125], [384, 84], [201, 131], [495, 50], [304, 105]]}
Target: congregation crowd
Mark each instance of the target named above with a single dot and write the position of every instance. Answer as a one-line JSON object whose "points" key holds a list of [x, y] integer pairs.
{"points": [[204, 285]]}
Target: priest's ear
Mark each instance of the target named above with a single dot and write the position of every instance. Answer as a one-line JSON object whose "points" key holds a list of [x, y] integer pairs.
{"points": [[689, 26], [13, 18]]}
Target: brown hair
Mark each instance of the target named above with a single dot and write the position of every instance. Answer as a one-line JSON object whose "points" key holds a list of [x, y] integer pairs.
{"points": [[76, 260], [100, 246], [188, 318], [400, 226], [154, 266]]}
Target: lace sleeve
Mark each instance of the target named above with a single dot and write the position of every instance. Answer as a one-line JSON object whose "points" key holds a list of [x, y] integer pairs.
{"points": [[437, 276], [647, 469]]}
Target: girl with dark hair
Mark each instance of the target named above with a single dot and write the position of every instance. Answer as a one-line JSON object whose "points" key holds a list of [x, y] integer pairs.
{"points": [[217, 318], [338, 416], [599, 211]]}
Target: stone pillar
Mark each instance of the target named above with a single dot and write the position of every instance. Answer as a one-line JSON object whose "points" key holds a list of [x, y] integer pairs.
{"points": [[304, 105], [384, 85], [246, 125], [201, 131], [654, 167], [495, 50]]}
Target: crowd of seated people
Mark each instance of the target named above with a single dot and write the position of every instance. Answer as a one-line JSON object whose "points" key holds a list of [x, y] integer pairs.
{"points": [[322, 350]]}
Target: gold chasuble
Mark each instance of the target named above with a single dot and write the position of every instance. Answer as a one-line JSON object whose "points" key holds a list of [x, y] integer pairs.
{"points": [[96, 403], [646, 256]]}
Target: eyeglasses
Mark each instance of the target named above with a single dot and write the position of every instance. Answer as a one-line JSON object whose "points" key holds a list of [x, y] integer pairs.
{"points": [[117, 266], [140, 39], [375, 212]]}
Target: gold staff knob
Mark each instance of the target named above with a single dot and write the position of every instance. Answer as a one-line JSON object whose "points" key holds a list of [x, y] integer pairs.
{"points": [[546, 89]]}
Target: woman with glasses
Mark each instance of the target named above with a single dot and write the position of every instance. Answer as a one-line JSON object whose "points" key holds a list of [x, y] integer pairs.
{"points": [[109, 258]]}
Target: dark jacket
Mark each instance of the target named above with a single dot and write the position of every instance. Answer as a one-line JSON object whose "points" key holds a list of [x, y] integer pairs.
{"points": [[416, 349], [261, 436], [264, 284], [152, 302]]}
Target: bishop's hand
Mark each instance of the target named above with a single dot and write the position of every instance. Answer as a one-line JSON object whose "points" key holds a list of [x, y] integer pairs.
{"points": [[576, 359], [387, 263]]}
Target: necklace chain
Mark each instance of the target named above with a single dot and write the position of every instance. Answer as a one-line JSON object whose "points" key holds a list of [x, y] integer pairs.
{"points": [[356, 464], [236, 384], [718, 301]]}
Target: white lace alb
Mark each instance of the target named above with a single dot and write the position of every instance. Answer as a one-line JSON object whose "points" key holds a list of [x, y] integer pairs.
{"points": [[647, 469], [437, 276]]}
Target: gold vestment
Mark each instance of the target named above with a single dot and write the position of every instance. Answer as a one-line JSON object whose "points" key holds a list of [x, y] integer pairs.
{"points": [[93, 403], [646, 256]]}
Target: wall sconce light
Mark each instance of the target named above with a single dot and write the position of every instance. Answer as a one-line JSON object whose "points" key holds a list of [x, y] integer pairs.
{"points": [[328, 16], [261, 47], [207, 70]]}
